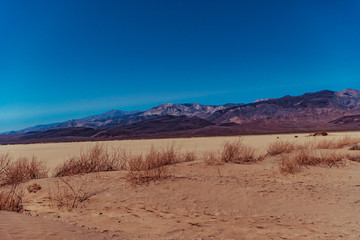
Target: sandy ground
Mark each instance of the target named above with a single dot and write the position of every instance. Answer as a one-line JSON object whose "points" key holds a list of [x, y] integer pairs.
{"points": [[198, 201]]}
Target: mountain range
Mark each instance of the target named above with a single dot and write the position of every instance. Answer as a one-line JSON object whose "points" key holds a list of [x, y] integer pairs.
{"points": [[324, 110]]}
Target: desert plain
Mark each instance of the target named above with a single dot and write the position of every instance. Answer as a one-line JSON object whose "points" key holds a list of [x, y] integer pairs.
{"points": [[197, 199]]}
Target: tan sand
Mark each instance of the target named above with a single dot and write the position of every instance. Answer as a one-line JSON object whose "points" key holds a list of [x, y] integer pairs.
{"points": [[55, 153], [198, 201], [15, 226]]}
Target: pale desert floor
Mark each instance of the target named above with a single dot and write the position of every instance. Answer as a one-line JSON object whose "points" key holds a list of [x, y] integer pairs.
{"points": [[230, 201]]}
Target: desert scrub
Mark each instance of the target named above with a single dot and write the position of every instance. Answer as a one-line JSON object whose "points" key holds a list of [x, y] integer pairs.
{"points": [[151, 166], [293, 162], [280, 147], [95, 159], [70, 192], [237, 152], [337, 143], [11, 198], [355, 147], [212, 158], [20, 170]]}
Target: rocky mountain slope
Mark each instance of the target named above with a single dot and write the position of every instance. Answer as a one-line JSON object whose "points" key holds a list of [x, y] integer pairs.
{"points": [[324, 110]]}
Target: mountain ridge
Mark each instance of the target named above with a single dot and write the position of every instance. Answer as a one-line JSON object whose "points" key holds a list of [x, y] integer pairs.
{"points": [[310, 111]]}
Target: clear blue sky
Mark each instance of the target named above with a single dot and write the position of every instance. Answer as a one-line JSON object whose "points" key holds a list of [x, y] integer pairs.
{"points": [[68, 59]]}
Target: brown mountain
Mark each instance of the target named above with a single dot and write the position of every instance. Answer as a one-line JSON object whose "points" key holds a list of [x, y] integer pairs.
{"points": [[324, 110]]}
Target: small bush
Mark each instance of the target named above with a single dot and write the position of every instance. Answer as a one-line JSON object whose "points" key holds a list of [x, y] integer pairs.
{"points": [[280, 147], [212, 158], [5, 161], [95, 159], [337, 143], [20, 170], [289, 164], [70, 193], [237, 152], [11, 199], [170, 154], [353, 157], [152, 166], [292, 163], [355, 147]]}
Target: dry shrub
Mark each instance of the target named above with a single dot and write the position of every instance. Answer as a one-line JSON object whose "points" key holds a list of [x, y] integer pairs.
{"points": [[293, 162], [289, 164], [152, 166], [11, 199], [168, 154], [95, 159], [5, 161], [171, 154], [212, 158], [355, 147], [237, 152], [188, 156], [337, 143], [353, 157], [280, 147], [70, 192], [20, 170]]}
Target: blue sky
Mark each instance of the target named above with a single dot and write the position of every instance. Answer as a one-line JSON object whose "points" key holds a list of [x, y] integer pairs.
{"points": [[68, 59]]}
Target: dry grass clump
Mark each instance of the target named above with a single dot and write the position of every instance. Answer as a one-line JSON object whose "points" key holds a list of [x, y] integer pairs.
{"points": [[212, 158], [11, 199], [337, 143], [20, 170], [171, 154], [95, 159], [237, 152], [355, 147], [188, 156], [293, 162], [353, 157], [152, 166], [280, 147]]}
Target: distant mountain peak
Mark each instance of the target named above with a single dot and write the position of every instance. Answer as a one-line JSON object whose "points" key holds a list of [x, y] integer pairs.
{"points": [[302, 112]]}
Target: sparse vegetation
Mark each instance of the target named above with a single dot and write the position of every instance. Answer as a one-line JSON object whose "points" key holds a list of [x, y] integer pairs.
{"points": [[95, 159], [237, 152], [150, 167], [212, 158], [337, 143], [355, 147], [69, 193], [279, 147], [11, 198], [293, 162], [355, 157], [20, 170]]}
